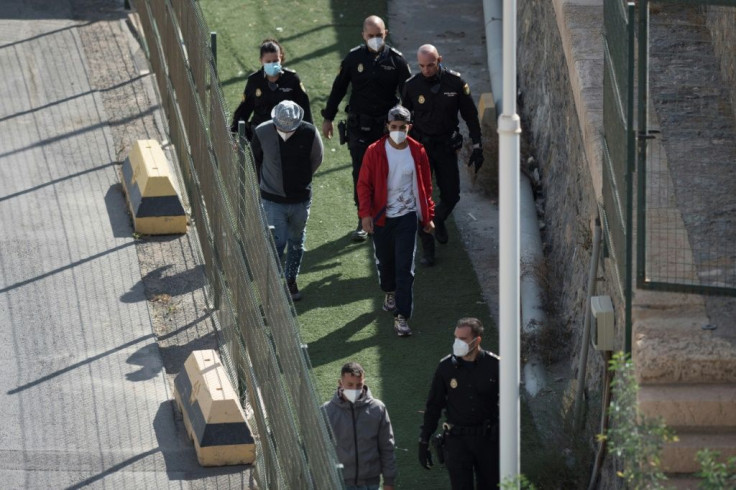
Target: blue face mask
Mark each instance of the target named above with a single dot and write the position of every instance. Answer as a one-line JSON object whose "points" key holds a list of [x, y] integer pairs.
{"points": [[272, 69]]}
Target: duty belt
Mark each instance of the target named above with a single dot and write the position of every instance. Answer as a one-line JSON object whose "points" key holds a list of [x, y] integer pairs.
{"points": [[465, 430]]}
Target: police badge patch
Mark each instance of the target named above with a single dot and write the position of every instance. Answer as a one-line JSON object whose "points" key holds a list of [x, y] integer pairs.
{"points": [[360, 68], [453, 383], [421, 99], [258, 92]]}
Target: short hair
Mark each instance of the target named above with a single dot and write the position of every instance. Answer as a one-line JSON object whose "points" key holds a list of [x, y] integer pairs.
{"points": [[399, 113], [271, 45], [475, 325], [352, 368]]}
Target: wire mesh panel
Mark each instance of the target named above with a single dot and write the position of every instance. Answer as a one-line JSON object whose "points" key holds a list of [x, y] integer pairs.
{"points": [[689, 212], [261, 346], [618, 141]]}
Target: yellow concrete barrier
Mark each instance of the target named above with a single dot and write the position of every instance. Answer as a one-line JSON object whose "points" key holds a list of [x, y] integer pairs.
{"points": [[212, 412], [152, 199]]}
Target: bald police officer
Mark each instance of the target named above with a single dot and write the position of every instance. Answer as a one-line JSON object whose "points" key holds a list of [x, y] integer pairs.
{"points": [[377, 74], [465, 385], [435, 96]]}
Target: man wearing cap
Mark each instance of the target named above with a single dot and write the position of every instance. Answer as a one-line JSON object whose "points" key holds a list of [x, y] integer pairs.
{"points": [[394, 199], [375, 73], [435, 96], [287, 152]]}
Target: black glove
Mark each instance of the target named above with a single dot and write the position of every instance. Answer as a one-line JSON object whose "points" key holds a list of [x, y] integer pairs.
{"points": [[425, 456], [476, 159]]}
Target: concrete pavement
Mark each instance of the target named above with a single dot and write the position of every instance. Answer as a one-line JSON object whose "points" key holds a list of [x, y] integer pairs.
{"points": [[83, 392]]}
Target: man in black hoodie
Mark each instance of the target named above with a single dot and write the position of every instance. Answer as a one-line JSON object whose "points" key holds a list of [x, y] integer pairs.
{"points": [[363, 432]]}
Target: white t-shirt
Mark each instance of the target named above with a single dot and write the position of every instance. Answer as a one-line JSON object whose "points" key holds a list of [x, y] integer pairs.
{"points": [[400, 199]]}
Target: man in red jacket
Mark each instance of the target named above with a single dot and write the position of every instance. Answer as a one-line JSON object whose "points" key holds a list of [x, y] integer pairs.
{"points": [[394, 198]]}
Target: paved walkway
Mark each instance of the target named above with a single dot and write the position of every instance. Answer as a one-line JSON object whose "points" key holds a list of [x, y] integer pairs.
{"points": [[83, 395]]}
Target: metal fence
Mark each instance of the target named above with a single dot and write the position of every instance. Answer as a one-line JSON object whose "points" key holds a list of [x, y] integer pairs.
{"points": [[616, 209], [686, 184], [263, 351]]}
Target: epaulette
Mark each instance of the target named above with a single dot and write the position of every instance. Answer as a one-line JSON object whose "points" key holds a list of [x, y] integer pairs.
{"points": [[359, 46], [412, 77], [288, 70], [453, 72], [396, 51], [492, 354]]}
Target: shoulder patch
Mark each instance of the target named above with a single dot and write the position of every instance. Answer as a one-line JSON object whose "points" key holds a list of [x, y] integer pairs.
{"points": [[301, 85], [396, 51], [466, 89]]}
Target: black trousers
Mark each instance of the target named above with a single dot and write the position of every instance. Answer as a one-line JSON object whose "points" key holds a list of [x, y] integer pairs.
{"points": [[394, 245], [358, 141], [443, 162], [467, 457]]}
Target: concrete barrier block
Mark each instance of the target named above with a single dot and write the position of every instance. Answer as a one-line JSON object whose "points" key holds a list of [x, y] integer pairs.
{"points": [[152, 198], [213, 416]]}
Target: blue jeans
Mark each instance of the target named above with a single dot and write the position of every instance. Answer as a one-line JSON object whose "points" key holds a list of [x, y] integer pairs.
{"points": [[362, 487], [289, 223], [394, 245]]}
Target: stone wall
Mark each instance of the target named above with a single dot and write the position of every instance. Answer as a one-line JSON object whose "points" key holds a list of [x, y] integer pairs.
{"points": [[567, 191], [722, 24]]}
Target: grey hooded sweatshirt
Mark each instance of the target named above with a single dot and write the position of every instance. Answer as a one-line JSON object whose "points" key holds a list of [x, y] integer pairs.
{"points": [[365, 439]]}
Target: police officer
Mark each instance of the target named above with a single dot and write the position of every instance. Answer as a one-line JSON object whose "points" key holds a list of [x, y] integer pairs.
{"points": [[435, 96], [268, 86], [465, 385], [377, 74]]}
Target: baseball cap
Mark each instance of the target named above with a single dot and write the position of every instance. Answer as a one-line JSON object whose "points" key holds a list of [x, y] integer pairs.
{"points": [[287, 115], [399, 113]]}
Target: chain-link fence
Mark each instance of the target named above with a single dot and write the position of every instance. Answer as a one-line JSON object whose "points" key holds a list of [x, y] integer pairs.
{"points": [[263, 351], [687, 186]]}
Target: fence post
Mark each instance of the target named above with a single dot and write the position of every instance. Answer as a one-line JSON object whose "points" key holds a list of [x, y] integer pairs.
{"points": [[213, 47]]}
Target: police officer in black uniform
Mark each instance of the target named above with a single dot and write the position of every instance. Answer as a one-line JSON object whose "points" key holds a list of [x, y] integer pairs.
{"points": [[271, 84], [465, 385], [377, 73], [435, 96]]}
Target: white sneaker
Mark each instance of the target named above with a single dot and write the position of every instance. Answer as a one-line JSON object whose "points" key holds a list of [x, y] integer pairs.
{"points": [[401, 327]]}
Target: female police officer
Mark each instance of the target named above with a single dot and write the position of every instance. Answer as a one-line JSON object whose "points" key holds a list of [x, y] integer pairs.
{"points": [[268, 86]]}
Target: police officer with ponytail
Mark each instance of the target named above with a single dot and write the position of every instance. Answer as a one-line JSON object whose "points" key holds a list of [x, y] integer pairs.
{"points": [[465, 386], [271, 84]]}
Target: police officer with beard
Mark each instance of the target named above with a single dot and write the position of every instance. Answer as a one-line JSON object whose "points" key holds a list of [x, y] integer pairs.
{"points": [[465, 386], [377, 74], [435, 96]]}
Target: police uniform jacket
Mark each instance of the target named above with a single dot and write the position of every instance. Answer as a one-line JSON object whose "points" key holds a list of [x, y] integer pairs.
{"points": [[376, 78], [468, 391], [261, 95], [435, 103]]}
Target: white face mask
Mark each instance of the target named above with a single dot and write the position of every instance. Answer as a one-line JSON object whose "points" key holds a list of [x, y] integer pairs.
{"points": [[284, 136], [351, 395], [375, 43], [398, 137], [460, 348]]}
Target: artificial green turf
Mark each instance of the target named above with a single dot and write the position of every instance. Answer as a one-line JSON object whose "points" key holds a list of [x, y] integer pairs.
{"points": [[340, 316]]}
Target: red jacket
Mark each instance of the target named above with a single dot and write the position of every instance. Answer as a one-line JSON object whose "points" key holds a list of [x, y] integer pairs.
{"points": [[373, 180]]}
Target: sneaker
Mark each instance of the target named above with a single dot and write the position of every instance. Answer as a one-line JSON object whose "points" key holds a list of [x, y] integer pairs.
{"points": [[440, 232], [389, 302], [294, 290], [401, 327], [359, 235]]}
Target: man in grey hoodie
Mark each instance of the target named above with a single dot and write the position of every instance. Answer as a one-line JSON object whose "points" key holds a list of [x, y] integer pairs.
{"points": [[363, 432]]}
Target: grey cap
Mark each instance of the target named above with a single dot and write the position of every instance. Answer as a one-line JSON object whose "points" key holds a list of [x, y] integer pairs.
{"points": [[287, 115], [399, 113]]}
